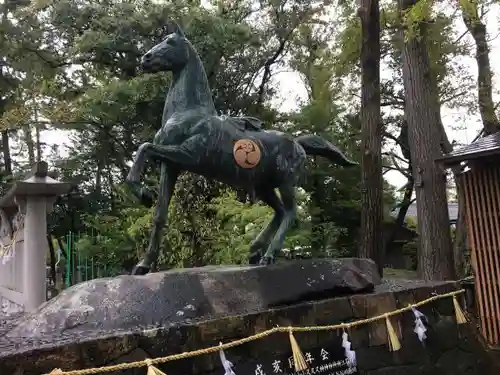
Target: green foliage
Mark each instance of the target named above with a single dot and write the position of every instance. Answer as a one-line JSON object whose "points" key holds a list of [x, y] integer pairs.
{"points": [[349, 45], [414, 16]]}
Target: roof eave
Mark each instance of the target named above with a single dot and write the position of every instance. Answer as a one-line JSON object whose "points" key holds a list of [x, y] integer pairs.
{"points": [[452, 160]]}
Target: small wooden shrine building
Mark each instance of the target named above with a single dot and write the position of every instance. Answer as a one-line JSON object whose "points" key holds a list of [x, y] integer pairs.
{"points": [[481, 182]]}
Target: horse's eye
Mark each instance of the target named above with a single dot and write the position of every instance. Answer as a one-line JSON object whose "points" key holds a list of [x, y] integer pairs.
{"points": [[171, 41]]}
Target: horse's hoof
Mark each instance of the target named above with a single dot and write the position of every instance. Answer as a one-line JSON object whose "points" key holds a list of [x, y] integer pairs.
{"points": [[140, 270], [147, 197], [254, 259], [266, 261]]}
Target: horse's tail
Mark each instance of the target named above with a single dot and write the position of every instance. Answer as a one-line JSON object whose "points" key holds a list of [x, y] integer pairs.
{"points": [[315, 145]]}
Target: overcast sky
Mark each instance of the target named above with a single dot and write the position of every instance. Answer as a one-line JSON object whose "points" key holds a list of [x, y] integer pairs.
{"points": [[292, 90]]}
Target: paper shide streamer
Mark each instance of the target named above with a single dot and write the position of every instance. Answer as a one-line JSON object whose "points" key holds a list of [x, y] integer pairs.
{"points": [[226, 364], [350, 355], [420, 327]]}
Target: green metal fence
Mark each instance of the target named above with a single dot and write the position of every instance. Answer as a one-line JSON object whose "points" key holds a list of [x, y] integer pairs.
{"points": [[78, 267]]}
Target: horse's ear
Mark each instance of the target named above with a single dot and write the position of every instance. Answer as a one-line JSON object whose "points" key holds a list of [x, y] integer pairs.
{"points": [[175, 28]]}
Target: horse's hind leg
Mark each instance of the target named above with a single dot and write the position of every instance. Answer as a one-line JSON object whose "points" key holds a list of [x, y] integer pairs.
{"points": [[262, 241], [290, 206], [168, 178]]}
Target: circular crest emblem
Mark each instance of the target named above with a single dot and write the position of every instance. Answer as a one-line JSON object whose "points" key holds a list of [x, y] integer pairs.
{"points": [[246, 153]]}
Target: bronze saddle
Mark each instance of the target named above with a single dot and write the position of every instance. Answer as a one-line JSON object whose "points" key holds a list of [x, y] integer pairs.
{"points": [[244, 123]]}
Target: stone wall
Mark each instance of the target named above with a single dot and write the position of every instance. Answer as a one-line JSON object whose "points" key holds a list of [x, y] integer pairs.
{"points": [[11, 258], [449, 349]]}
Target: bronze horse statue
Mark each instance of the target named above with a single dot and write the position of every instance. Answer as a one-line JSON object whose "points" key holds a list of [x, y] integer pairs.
{"points": [[233, 150]]}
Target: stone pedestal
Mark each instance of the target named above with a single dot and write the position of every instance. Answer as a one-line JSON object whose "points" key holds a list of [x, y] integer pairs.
{"points": [[29, 202], [92, 336]]}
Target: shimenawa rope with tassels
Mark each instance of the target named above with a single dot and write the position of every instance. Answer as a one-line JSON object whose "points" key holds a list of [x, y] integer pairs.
{"points": [[394, 343]]}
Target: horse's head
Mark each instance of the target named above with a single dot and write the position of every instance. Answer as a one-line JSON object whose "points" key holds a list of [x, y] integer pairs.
{"points": [[171, 54]]}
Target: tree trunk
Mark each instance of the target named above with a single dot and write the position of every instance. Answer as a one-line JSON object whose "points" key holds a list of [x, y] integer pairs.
{"points": [[38, 144], [477, 29], [460, 240], [406, 202], [38, 140], [28, 138], [52, 253], [7, 159], [98, 180], [371, 136], [111, 183], [61, 246], [318, 242], [403, 210], [435, 258]]}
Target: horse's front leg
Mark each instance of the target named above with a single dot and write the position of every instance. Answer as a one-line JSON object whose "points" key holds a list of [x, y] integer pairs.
{"points": [[145, 195], [173, 158], [168, 178]]}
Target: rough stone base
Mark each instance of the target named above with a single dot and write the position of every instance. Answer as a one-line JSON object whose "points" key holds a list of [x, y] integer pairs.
{"points": [[178, 296], [9, 308], [10, 312]]}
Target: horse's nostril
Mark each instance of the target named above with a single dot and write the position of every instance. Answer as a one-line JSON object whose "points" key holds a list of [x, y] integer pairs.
{"points": [[148, 56]]}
